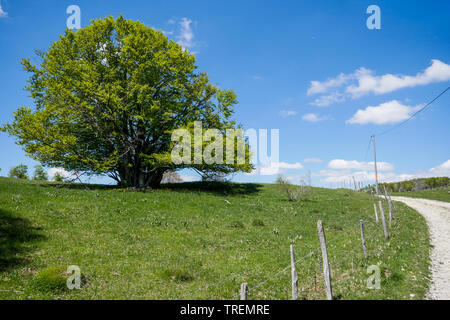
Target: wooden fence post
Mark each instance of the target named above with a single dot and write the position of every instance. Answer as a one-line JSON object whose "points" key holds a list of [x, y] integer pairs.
{"points": [[376, 213], [361, 224], [385, 193], [294, 275], [326, 266], [393, 205], [386, 234], [388, 200], [390, 213], [244, 291]]}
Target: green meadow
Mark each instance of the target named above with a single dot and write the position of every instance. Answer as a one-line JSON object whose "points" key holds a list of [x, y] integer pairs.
{"points": [[201, 241]]}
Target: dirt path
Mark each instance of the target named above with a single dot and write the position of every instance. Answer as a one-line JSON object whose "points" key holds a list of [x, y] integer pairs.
{"points": [[437, 215]]}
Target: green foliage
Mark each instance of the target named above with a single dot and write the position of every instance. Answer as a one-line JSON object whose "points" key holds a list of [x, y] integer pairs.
{"points": [[19, 172], [418, 184], [301, 192], [39, 173], [58, 177], [107, 99], [51, 279]]}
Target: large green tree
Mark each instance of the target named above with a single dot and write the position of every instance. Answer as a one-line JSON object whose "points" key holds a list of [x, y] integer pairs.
{"points": [[107, 99]]}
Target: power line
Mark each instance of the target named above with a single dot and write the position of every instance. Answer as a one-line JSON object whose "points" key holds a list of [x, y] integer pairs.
{"points": [[403, 122], [414, 114]]}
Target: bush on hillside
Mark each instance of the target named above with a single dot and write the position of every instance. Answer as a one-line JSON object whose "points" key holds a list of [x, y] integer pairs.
{"points": [[294, 192], [39, 173], [19, 172]]}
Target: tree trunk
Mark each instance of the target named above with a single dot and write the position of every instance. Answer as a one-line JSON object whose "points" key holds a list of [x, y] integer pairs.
{"points": [[132, 178], [155, 178]]}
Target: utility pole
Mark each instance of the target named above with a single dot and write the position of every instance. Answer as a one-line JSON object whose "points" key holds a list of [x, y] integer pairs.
{"points": [[375, 164]]}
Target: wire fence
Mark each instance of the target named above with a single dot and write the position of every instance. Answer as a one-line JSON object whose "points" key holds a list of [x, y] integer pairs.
{"points": [[309, 267], [354, 254]]}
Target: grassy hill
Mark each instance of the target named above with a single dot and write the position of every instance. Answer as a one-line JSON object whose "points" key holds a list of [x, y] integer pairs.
{"points": [[190, 241]]}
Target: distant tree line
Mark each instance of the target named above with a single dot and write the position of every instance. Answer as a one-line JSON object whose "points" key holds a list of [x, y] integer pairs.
{"points": [[21, 172], [417, 184]]}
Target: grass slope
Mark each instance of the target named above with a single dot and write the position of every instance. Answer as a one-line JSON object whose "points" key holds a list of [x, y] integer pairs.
{"points": [[432, 194], [183, 242]]}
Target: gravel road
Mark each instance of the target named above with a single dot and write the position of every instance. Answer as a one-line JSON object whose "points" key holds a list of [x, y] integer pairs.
{"points": [[437, 215]]}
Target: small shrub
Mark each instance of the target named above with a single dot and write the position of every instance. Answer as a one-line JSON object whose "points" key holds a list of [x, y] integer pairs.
{"points": [[19, 172], [58, 177], [39, 173], [258, 223], [177, 275], [54, 279], [237, 224], [51, 279], [293, 192]]}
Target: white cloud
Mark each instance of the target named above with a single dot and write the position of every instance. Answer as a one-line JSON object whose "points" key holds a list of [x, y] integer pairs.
{"points": [[342, 79], [64, 173], [278, 167], [285, 165], [322, 87], [343, 171], [441, 170], [341, 164], [186, 37], [256, 77], [3, 14], [363, 81], [341, 176], [312, 160], [386, 113], [437, 72], [288, 113], [345, 176], [325, 101], [312, 117]]}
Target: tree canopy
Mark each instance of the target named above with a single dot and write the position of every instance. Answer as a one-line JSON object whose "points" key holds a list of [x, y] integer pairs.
{"points": [[19, 172], [39, 173], [108, 98]]}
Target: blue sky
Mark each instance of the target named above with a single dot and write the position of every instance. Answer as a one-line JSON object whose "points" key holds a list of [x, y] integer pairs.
{"points": [[311, 69]]}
